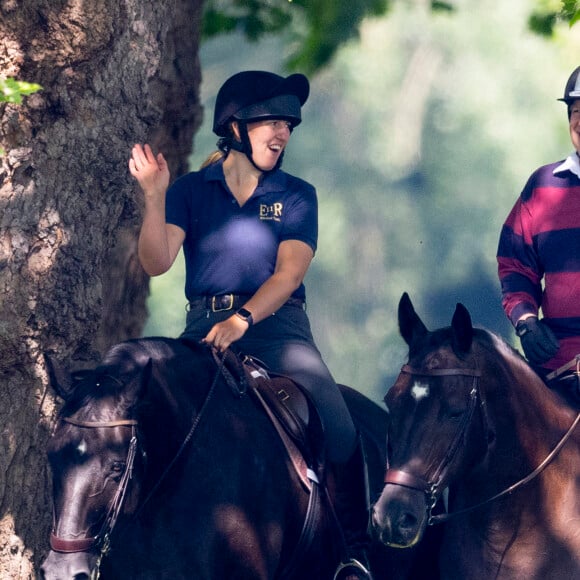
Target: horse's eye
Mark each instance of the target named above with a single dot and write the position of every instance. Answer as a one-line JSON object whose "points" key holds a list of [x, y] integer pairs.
{"points": [[117, 468]]}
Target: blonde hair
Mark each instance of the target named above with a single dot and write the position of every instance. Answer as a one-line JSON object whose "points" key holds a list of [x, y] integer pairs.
{"points": [[213, 158]]}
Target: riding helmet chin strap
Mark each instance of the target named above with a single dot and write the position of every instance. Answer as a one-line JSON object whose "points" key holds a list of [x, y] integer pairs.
{"points": [[225, 144]]}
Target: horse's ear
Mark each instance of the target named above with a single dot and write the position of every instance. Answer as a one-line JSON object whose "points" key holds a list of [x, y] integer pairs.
{"points": [[59, 379], [462, 329], [411, 326]]}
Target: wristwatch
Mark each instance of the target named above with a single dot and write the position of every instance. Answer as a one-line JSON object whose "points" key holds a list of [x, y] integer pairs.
{"points": [[245, 315]]}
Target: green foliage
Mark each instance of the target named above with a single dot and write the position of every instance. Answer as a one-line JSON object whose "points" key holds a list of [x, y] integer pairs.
{"points": [[437, 6], [570, 11], [252, 17], [319, 26], [12, 91], [548, 13], [330, 24]]}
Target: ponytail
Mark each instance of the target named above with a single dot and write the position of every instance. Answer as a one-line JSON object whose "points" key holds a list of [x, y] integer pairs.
{"points": [[213, 158]]}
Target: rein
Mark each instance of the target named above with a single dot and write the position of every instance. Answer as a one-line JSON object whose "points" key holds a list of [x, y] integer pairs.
{"points": [[430, 488]]}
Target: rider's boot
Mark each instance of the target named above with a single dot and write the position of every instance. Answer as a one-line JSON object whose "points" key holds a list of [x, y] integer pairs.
{"points": [[352, 509]]}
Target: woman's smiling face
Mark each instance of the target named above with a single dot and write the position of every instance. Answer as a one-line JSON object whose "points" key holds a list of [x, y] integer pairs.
{"points": [[268, 139]]}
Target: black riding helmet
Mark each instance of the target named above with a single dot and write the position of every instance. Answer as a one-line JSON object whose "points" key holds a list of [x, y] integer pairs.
{"points": [[257, 95], [572, 89]]}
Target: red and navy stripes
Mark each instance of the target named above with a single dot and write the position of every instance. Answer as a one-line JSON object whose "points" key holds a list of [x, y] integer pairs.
{"points": [[539, 257]]}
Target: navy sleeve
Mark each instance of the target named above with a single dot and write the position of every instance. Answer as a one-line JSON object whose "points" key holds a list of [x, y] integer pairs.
{"points": [[301, 216]]}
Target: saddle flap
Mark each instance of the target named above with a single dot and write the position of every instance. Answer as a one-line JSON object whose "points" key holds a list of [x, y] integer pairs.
{"points": [[293, 408]]}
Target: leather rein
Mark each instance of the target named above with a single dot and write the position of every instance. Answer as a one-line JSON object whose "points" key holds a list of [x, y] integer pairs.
{"points": [[431, 487]]}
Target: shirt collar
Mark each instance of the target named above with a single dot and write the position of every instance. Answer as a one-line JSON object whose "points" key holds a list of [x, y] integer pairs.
{"points": [[272, 181], [572, 163]]}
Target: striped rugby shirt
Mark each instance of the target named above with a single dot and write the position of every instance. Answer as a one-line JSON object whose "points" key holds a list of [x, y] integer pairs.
{"points": [[539, 255]]}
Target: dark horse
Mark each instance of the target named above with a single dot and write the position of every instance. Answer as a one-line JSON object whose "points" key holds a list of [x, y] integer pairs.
{"points": [[159, 457], [467, 413]]}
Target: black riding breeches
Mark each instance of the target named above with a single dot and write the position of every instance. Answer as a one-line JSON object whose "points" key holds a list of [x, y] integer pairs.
{"points": [[284, 343]]}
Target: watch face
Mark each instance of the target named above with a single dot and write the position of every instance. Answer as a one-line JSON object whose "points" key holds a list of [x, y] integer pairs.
{"points": [[244, 313]]}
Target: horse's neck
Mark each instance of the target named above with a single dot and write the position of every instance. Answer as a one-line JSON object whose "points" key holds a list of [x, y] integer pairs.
{"points": [[529, 418]]}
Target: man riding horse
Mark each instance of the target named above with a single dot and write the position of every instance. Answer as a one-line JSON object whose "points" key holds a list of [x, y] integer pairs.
{"points": [[539, 262]]}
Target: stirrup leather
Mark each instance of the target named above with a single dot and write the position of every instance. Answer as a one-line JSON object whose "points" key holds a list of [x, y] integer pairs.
{"points": [[352, 563]]}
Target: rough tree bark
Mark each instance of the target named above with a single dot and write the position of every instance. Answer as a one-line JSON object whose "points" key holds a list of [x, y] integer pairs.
{"points": [[114, 72]]}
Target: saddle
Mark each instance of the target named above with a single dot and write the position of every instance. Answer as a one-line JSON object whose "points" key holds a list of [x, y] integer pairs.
{"points": [[566, 381], [297, 421], [291, 410]]}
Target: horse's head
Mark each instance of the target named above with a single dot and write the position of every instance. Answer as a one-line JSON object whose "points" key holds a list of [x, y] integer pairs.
{"points": [[95, 462], [433, 435]]}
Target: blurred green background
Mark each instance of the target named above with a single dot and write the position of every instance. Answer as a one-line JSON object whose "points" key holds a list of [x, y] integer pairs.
{"points": [[418, 136]]}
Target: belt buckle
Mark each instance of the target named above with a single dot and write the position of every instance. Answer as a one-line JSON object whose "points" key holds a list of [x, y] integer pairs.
{"points": [[230, 305]]}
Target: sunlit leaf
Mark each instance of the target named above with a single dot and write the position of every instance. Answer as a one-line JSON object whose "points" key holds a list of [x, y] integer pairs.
{"points": [[12, 91], [575, 18]]}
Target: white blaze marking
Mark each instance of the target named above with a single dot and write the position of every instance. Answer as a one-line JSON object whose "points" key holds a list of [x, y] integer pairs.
{"points": [[82, 448], [420, 391]]}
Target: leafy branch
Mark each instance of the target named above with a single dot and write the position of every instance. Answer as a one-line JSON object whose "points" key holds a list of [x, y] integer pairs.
{"points": [[318, 27], [12, 91], [549, 12]]}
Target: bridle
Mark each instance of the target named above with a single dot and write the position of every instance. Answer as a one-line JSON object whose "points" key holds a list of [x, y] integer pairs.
{"points": [[101, 542], [431, 487]]}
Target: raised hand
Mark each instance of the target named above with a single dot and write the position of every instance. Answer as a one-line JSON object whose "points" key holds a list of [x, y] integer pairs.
{"points": [[150, 171]]}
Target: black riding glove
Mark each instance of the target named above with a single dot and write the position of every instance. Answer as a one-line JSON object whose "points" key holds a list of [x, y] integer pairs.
{"points": [[538, 341]]}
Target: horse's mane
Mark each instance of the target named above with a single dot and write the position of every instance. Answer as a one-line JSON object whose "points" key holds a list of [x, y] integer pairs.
{"points": [[502, 353], [507, 361], [120, 362]]}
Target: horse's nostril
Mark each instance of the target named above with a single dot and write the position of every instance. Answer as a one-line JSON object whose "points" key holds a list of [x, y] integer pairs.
{"points": [[81, 576], [407, 521]]}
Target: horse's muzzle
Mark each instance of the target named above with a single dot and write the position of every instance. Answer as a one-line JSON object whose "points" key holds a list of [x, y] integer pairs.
{"points": [[400, 516]]}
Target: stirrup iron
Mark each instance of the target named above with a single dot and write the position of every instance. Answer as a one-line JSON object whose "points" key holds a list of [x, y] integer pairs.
{"points": [[353, 563]]}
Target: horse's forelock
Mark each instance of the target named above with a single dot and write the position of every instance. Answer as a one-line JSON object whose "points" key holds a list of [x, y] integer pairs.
{"points": [[96, 385], [122, 364]]}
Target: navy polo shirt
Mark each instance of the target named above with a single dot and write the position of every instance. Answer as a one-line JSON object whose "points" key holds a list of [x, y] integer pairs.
{"points": [[233, 249]]}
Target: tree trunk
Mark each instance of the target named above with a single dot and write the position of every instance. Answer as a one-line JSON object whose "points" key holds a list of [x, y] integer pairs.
{"points": [[114, 72]]}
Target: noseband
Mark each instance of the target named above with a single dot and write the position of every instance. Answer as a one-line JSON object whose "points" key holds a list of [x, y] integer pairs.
{"points": [[102, 539], [430, 487]]}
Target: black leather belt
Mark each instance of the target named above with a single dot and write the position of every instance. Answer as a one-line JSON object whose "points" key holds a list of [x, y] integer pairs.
{"points": [[224, 302]]}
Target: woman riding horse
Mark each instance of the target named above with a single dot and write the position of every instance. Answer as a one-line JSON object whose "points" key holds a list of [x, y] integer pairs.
{"points": [[249, 233]]}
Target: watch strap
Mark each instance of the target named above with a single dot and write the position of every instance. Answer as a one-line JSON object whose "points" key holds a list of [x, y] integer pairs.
{"points": [[246, 315]]}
